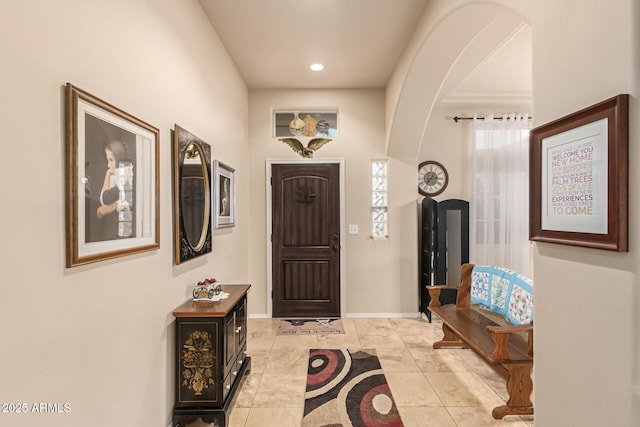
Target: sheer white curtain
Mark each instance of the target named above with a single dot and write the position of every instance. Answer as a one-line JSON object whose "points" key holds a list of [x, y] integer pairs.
{"points": [[499, 205]]}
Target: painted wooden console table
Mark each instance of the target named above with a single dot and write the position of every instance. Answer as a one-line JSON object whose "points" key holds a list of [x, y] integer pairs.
{"points": [[211, 358]]}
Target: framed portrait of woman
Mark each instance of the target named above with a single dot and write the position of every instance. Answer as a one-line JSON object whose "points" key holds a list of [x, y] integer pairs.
{"points": [[112, 203], [224, 195]]}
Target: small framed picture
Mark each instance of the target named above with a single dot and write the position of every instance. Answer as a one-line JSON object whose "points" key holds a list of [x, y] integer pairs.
{"points": [[224, 195], [112, 176]]}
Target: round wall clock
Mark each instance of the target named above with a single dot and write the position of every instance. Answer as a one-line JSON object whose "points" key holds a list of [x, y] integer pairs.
{"points": [[432, 178]]}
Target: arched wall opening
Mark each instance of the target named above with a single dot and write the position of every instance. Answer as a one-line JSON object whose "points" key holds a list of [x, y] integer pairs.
{"points": [[455, 45]]}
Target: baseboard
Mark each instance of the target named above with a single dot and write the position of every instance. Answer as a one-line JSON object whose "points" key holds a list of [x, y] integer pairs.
{"points": [[381, 315], [259, 316], [355, 315]]}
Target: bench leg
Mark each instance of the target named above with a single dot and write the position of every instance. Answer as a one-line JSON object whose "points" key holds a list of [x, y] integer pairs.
{"points": [[450, 339], [519, 386]]}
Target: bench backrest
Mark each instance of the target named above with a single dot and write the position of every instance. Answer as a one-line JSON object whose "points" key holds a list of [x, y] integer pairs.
{"points": [[497, 289]]}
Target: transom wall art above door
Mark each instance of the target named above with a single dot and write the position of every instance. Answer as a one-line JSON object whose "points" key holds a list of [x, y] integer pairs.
{"points": [[305, 219]]}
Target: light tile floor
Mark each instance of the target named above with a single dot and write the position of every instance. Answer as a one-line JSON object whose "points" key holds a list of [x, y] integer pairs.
{"points": [[432, 388]]}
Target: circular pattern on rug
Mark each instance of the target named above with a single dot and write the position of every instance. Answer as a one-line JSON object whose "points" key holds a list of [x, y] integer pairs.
{"points": [[377, 407], [326, 369], [367, 401]]}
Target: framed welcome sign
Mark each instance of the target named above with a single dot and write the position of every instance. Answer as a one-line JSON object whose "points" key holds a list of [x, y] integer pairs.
{"points": [[579, 178]]}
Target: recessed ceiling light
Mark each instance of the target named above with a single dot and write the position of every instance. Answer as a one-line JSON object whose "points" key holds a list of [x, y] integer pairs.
{"points": [[317, 67]]}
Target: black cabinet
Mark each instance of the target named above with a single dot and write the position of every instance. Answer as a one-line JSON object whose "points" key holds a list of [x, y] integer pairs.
{"points": [[211, 358], [444, 247]]}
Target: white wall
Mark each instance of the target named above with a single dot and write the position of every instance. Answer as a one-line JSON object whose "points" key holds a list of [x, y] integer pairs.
{"points": [[100, 337], [587, 302], [381, 275], [574, 67]]}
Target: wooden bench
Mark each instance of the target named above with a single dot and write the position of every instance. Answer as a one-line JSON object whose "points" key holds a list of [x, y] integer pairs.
{"points": [[508, 347]]}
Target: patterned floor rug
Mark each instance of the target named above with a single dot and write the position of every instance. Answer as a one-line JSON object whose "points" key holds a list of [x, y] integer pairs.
{"points": [[348, 388], [310, 327]]}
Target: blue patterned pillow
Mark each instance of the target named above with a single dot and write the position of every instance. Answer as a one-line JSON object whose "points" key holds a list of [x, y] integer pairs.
{"points": [[500, 287], [520, 309], [503, 291], [480, 280]]}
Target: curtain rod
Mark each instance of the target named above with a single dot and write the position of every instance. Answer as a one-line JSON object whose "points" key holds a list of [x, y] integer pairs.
{"points": [[456, 118]]}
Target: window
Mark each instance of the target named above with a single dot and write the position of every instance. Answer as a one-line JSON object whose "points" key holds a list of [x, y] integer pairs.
{"points": [[499, 205], [379, 198]]}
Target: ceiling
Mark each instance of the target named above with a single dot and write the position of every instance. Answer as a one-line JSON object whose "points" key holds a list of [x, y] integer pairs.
{"points": [[273, 43]]}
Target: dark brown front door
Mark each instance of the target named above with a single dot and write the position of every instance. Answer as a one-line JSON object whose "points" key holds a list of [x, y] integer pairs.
{"points": [[306, 240]]}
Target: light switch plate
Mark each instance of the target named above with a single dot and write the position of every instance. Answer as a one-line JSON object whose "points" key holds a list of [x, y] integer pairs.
{"points": [[353, 228]]}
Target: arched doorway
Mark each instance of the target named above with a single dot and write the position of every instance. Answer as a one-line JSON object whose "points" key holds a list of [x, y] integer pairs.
{"points": [[460, 41]]}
